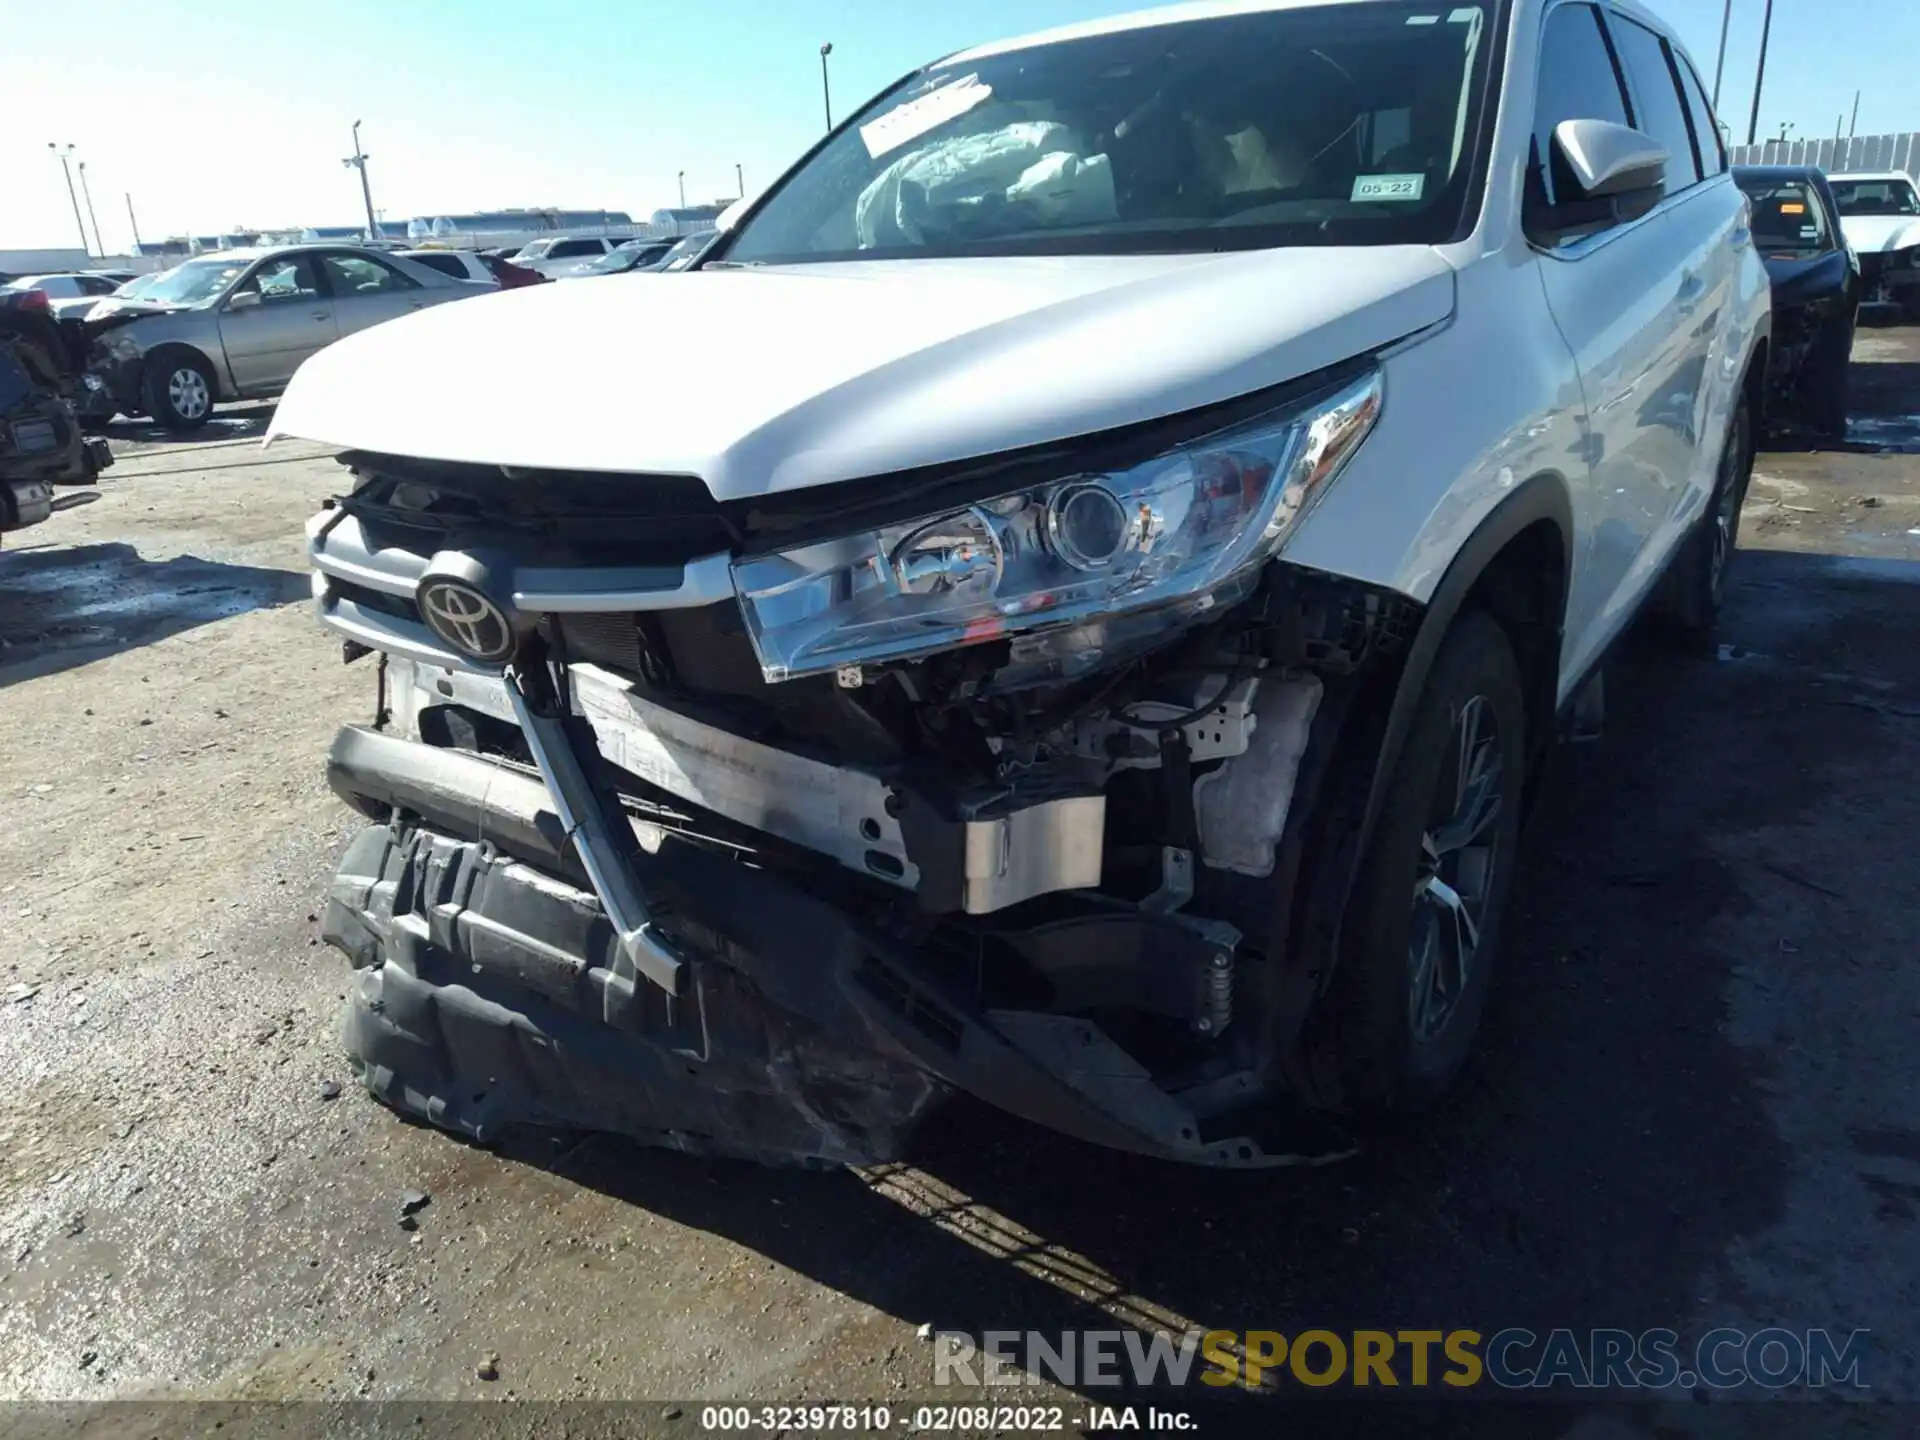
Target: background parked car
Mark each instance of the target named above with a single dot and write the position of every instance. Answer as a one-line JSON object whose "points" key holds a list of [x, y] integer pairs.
{"points": [[234, 326], [550, 251], [1880, 214], [510, 275], [685, 251], [77, 307], [74, 284], [1816, 292], [632, 255], [459, 264], [41, 444]]}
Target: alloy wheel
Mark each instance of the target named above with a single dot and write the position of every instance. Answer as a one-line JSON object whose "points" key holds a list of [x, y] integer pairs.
{"points": [[187, 393], [1455, 874]]}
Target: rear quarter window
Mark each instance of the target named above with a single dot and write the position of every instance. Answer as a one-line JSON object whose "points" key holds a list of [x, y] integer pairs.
{"points": [[445, 264]]}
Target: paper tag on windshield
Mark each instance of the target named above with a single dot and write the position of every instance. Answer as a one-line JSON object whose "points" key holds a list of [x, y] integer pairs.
{"points": [[915, 118], [1388, 187]]}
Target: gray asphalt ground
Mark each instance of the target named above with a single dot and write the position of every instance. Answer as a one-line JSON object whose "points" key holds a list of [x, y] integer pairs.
{"points": [[1692, 1106]]}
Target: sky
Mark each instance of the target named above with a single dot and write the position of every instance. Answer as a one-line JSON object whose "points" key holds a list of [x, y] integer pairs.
{"points": [[215, 116]]}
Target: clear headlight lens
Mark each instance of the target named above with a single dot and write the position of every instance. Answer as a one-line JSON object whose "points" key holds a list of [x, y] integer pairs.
{"points": [[1171, 532]]}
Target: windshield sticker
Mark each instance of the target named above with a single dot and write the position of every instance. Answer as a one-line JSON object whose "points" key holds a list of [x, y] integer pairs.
{"points": [[915, 118], [1388, 187]]}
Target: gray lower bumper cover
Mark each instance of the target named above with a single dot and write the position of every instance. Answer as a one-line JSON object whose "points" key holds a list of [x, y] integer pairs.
{"points": [[492, 990]]}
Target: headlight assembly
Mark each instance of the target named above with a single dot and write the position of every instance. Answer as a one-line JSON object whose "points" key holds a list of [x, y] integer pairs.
{"points": [[1174, 531]]}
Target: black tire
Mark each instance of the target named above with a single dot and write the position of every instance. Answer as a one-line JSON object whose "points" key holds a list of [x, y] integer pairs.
{"points": [[1696, 585], [1828, 382], [1392, 1054], [1910, 307], [172, 399]]}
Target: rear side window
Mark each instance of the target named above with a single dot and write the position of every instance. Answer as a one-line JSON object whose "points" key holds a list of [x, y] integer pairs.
{"points": [[1656, 99], [1578, 81], [1706, 132], [444, 263], [351, 275]]}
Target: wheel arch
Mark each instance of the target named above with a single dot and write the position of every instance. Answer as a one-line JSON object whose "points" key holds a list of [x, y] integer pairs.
{"points": [[222, 383], [1518, 566]]}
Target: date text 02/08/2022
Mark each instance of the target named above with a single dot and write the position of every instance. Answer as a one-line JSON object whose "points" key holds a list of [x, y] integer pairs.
{"points": [[1016, 1419]]}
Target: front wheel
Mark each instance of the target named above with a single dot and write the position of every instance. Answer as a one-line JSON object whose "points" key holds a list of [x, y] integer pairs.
{"points": [[180, 390], [1696, 585], [1426, 911]]}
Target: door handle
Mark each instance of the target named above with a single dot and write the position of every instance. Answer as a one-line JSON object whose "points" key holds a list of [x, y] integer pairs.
{"points": [[323, 315], [1691, 286]]}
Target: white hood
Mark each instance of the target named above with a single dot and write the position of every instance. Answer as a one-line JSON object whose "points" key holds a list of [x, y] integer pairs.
{"points": [[1877, 234], [760, 380]]}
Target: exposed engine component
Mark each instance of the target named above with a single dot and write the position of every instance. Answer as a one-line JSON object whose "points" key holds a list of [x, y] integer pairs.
{"points": [[1242, 806]]}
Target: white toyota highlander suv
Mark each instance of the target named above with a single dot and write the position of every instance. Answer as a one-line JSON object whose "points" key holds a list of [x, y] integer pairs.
{"points": [[1066, 600]]}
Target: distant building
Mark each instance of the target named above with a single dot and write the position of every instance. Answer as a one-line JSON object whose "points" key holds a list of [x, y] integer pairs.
{"points": [[42, 262]]}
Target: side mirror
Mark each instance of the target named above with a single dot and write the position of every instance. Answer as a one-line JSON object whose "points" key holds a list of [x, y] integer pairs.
{"points": [[1611, 161], [244, 300], [1618, 174]]}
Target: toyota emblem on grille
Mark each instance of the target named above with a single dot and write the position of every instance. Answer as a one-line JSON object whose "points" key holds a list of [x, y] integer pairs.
{"points": [[466, 619]]}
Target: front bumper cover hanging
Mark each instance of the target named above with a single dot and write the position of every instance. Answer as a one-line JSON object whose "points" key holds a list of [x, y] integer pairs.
{"points": [[497, 986]]}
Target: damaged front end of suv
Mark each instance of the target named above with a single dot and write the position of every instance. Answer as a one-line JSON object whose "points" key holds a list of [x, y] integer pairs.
{"points": [[755, 828], [1029, 613]]}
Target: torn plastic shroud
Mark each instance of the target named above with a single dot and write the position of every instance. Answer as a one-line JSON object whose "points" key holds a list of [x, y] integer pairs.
{"points": [[491, 993]]}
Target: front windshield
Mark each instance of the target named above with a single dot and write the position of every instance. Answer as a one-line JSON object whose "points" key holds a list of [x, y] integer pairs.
{"points": [[1876, 197], [194, 281], [532, 250], [1787, 218], [1332, 125], [686, 251], [139, 285]]}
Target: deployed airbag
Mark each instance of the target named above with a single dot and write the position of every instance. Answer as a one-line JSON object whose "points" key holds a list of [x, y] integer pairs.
{"points": [[1034, 164]]}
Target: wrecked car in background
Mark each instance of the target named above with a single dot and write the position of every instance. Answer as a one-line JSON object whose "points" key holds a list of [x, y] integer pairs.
{"points": [[1070, 603], [234, 326], [41, 444], [1880, 213], [1815, 279]]}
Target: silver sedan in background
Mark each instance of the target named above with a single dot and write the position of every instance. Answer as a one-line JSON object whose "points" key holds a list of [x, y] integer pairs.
{"points": [[234, 326]]}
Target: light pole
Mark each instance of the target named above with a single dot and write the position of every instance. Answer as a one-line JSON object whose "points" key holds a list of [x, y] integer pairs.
{"points": [[135, 224], [87, 191], [358, 161], [683, 189], [739, 181], [63, 151], [826, 91], [1760, 73], [1726, 18]]}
